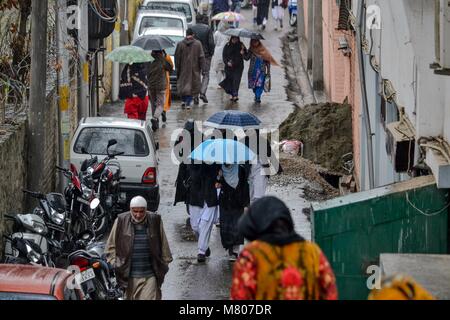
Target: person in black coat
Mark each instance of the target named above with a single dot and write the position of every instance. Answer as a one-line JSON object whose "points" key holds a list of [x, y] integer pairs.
{"points": [[233, 58], [203, 201], [234, 197]]}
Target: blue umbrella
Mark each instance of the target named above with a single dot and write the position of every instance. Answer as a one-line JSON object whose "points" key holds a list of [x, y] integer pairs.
{"points": [[232, 119], [222, 151]]}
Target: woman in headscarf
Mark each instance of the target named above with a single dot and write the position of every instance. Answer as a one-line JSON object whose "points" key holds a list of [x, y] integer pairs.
{"points": [[233, 58], [279, 264], [259, 69], [134, 90], [233, 198], [220, 39]]}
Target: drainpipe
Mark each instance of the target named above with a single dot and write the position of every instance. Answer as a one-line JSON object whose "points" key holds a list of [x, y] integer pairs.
{"points": [[362, 72]]}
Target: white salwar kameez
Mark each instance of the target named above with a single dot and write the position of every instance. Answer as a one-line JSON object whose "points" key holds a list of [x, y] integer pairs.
{"points": [[278, 13], [202, 221], [257, 182]]}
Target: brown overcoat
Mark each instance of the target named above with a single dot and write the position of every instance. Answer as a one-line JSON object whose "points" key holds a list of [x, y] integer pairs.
{"points": [[189, 63], [119, 247]]}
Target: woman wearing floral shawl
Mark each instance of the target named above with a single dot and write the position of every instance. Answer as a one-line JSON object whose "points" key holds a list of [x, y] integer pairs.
{"points": [[279, 264]]}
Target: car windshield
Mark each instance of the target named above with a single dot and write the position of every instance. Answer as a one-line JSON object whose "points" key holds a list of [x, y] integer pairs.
{"points": [[95, 140], [160, 22], [175, 39], [172, 6]]}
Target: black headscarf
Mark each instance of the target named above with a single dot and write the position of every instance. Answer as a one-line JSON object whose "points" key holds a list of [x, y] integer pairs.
{"points": [[260, 221]]}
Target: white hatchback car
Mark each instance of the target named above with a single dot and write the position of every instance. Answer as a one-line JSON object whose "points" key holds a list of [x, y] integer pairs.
{"points": [[139, 163], [186, 7]]}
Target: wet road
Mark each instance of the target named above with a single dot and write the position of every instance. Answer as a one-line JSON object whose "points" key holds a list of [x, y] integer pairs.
{"points": [[187, 279]]}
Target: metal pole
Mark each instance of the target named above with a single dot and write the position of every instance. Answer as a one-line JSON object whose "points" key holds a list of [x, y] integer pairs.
{"points": [[83, 50], [37, 112], [366, 114], [115, 65], [63, 90]]}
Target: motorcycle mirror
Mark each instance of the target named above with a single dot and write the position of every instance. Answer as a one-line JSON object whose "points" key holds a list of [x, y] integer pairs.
{"points": [[95, 203], [112, 142]]}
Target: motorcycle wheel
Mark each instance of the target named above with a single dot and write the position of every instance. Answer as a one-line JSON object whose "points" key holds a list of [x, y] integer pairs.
{"points": [[100, 291], [101, 226], [293, 20]]}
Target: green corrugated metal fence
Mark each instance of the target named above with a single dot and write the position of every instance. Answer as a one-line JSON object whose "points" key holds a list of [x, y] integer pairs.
{"points": [[354, 230]]}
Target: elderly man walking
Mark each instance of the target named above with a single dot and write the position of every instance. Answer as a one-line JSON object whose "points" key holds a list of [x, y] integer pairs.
{"points": [[138, 250], [189, 64]]}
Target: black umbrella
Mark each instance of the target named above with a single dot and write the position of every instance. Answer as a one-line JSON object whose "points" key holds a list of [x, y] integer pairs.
{"points": [[244, 33], [153, 42]]}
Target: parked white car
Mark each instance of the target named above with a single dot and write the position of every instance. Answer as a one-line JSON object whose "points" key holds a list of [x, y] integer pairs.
{"points": [[153, 21], [139, 163], [186, 7]]}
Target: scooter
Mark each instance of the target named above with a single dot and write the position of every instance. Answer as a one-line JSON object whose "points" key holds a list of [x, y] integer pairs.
{"points": [[292, 7]]}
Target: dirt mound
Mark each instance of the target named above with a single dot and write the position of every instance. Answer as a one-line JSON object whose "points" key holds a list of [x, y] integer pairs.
{"points": [[325, 130], [297, 170]]}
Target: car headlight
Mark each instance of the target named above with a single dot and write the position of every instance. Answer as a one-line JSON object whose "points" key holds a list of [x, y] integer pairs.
{"points": [[57, 217]]}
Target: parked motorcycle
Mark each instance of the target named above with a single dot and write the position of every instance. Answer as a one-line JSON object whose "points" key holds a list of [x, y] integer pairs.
{"points": [[28, 244], [53, 210], [96, 277], [292, 7], [104, 184]]}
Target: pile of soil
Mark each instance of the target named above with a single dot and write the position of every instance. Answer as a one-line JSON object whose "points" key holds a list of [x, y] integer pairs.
{"points": [[297, 170], [325, 130]]}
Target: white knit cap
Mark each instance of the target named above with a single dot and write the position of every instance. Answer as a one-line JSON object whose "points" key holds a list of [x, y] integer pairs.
{"points": [[138, 202]]}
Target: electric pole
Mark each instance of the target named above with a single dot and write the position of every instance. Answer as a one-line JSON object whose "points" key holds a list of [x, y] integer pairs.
{"points": [[38, 109], [63, 89], [83, 51]]}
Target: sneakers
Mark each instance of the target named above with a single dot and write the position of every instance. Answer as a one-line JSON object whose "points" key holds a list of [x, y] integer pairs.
{"points": [[196, 101], [164, 117], [201, 258], [208, 252], [183, 105], [257, 100], [204, 99]]}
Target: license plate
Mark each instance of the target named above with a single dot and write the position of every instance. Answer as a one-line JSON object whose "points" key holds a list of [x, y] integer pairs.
{"points": [[85, 276]]}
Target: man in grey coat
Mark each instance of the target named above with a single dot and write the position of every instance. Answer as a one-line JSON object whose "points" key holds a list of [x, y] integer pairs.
{"points": [[189, 64]]}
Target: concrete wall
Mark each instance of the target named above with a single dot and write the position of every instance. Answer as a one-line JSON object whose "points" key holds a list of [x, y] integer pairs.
{"points": [[13, 172]]}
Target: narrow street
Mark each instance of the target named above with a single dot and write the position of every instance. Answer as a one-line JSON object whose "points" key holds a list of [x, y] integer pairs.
{"points": [[186, 278]]}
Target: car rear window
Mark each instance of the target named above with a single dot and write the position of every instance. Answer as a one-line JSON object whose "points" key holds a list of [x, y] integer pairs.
{"points": [[95, 140], [178, 7], [160, 22]]}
